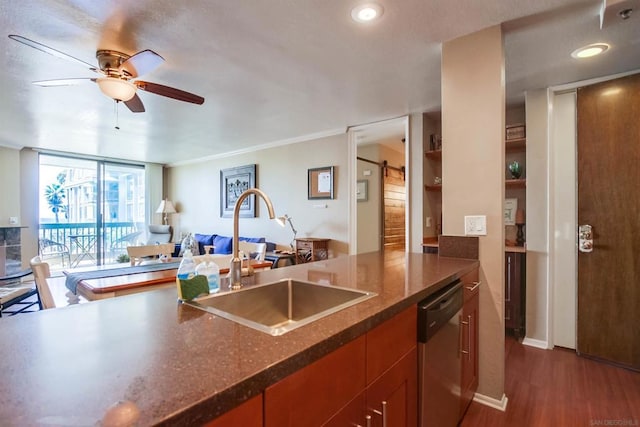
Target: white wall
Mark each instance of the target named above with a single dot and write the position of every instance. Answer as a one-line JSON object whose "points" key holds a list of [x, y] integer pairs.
{"points": [[537, 218], [473, 123], [564, 223], [282, 175]]}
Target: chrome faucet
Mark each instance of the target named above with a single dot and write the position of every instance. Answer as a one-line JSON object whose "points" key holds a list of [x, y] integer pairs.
{"points": [[235, 270]]}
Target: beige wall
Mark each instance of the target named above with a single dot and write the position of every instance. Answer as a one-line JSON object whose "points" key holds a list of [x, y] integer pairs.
{"points": [[369, 216], [473, 122], [10, 177], [282, 175]]}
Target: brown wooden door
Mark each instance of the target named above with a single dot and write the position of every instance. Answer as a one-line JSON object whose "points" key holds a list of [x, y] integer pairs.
{"points": [[394, 196], [608, 200]]}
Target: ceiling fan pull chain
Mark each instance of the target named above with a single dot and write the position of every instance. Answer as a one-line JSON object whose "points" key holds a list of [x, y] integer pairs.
{"points": [[115, 106]]}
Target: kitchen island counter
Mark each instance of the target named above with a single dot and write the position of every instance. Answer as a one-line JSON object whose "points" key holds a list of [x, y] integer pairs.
{"points": [[183, 366]]}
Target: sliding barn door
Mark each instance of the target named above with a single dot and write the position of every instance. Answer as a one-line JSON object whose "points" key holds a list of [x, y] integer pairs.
{"points": [[394, 197], [608, 201]]}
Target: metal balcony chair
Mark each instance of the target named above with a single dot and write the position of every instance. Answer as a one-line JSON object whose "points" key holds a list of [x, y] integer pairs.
{"points": [[51, 248], [14, 293]]}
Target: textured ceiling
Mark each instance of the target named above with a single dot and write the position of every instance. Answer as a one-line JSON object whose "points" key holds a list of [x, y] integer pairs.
{"points": [[273, 70]]}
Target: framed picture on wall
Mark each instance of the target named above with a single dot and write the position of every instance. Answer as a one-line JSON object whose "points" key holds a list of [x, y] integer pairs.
{"points": [[362, 190], [510, 208], [320, 183], [233, 182]]}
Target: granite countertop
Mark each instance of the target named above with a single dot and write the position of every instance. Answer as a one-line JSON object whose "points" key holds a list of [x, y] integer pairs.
{"points": [[181, 365]]}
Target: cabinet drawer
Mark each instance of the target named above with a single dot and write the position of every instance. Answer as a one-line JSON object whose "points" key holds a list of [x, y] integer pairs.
{"points": [[302, 245], [469, 282], [388, 342]]}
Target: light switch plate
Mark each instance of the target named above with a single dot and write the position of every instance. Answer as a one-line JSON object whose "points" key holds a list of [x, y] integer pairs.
{"points": [[475, 225]]}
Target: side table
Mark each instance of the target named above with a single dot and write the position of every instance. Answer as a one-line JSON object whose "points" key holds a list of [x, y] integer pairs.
{"points": [[311, 249]]}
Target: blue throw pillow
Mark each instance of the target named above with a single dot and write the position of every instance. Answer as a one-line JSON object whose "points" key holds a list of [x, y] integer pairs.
{"points": [[203, 239], [222, 244], [252, 239]]}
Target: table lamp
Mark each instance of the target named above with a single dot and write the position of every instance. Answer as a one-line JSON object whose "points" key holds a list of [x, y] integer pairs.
{"points": [[282, 221], [520, 224], [165, 208]]}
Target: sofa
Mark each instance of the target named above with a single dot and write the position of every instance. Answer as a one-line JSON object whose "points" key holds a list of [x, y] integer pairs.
{"points": [[221, 244]]}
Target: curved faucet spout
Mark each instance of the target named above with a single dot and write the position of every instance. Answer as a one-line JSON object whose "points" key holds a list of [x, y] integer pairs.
{"points": [[235, 270]]}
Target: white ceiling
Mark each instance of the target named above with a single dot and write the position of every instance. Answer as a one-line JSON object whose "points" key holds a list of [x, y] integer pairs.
{"points": [[273, 71]]}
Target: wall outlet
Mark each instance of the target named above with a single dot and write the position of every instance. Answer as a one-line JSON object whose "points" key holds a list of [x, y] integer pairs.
{"points": [[475, 225], [427, 222], [13, 220]]}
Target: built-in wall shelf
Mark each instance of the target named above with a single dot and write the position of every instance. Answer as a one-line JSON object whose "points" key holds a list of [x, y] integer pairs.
{"points": [[515, 183], [436, 188], [515, 145], [433, 155]]}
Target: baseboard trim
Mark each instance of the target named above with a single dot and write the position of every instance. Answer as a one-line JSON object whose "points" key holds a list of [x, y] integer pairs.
{"points": [[535, 343], [500, 405]]}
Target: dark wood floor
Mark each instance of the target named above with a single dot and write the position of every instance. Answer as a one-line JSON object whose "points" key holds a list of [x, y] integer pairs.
{"points": [[558, 388]]}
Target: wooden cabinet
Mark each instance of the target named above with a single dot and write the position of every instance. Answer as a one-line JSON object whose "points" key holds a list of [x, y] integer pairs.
{"points": [[311, 249], [514, 292], [470, 329], [391, 400], [247, 414], [352, 382]]}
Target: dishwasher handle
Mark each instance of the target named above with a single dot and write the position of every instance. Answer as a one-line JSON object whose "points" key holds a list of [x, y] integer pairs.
{"points": [[435, 312]]}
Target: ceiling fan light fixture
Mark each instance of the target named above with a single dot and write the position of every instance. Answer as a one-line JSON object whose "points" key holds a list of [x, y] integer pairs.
{"points": [[118, 89]]}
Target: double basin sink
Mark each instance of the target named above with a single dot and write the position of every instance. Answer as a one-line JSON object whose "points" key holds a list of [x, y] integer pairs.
{"points": [[279, 307]]}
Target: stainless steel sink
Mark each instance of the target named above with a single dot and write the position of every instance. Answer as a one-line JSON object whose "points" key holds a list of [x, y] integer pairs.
{"points": [[278, 307]]}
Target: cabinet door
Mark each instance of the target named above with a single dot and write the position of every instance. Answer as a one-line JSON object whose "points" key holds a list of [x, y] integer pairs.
{"points": [[392, 400], [248, 414], [315, 393], [470, 332], [512, 291], [354, 414]]}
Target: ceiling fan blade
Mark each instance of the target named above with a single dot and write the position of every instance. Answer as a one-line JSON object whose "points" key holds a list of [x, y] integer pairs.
{"points": [[52, 51], [169, 92], [142, 63], [64, 82], [135, 104]]}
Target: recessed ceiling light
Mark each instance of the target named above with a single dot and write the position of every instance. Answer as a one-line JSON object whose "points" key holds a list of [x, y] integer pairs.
{"points": [[367, 12], [590, 50]]}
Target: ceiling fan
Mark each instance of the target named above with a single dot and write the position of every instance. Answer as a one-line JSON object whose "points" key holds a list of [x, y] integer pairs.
{"points": [[118, 73]]}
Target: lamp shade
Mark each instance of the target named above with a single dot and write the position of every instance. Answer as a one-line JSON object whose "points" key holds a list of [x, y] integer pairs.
{"points": [[520, 216], [118, 89], [166, 207]]}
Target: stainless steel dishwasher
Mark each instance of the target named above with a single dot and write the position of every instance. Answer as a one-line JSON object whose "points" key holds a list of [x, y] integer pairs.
{"points": [[439, 363]]}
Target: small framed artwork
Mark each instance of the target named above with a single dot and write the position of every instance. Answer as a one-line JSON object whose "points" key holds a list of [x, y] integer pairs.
{"points": [[320, 183], [362, 190], [510, 208], [233, 182]]}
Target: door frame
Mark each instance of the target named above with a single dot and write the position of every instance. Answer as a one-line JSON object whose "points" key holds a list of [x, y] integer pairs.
{"points": [[352, 141], [558, 269]]}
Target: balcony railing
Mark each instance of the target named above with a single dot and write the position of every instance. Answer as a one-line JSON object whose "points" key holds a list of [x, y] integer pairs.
{"points": [[79, 239]]}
